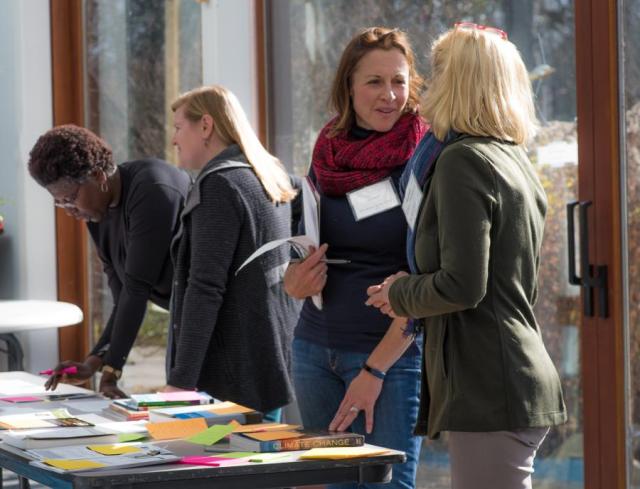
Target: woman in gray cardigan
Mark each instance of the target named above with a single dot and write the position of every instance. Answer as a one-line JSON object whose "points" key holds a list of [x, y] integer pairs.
{"points": [[487, 379], [231, 333]]}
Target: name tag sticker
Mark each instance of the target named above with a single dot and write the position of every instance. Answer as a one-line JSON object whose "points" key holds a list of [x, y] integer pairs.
{"points": [[373, 199], [412, 200]]}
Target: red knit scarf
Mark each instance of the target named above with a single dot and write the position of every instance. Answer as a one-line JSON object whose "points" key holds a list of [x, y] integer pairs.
{"points": [[342, 164]]}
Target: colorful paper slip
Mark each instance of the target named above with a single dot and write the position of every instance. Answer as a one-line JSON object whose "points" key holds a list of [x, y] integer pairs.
{"points": [[272, 457], [211, 435], [183, 428], [211, 461], [113, 449], [253, 428], [229, 455], [125, 437], [18, 399], [274, 435], [228, 408], [73, 464], [339, 453], [199, 460], [180, 396]]}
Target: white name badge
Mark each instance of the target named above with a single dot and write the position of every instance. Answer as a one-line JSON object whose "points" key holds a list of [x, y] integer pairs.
{"points": [[373, 199], [412, 200]]}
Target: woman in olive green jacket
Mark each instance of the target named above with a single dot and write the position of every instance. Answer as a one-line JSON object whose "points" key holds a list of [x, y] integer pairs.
{"points": [[487, 379]]}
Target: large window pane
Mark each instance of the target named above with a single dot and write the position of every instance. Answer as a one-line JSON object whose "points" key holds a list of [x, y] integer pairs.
{"points": [[140, 54], [307, 38], [630, 59]]}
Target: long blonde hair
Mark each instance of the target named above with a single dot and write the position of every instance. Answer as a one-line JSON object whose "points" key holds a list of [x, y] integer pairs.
{"points": [[232, 126], [479, 85]]}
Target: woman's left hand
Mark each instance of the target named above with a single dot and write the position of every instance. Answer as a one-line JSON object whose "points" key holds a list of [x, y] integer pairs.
{"points": [[379, 294], [362, 394]]}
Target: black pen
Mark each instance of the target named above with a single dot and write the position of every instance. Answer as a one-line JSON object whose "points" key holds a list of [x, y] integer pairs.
{"points": [[330, 261]]}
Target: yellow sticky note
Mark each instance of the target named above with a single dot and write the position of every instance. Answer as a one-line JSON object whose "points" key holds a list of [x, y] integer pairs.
{"points": [[274, 435], [114, 449], [228, 408], [76, 464], [338, 453], [183, 428]]}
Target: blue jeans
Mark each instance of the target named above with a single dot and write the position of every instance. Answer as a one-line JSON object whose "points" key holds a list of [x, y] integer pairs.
{"points": [[321, 377], [273, 416]]}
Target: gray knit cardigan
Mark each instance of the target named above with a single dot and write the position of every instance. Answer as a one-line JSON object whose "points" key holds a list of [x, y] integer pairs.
{"points": [[231, 333]]}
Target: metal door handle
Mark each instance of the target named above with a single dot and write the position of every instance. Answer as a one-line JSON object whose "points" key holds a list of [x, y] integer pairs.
{"points": [[588, 281]]}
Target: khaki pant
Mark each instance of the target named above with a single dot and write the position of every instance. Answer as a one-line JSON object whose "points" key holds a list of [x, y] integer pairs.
{"points": [[494, 460]]}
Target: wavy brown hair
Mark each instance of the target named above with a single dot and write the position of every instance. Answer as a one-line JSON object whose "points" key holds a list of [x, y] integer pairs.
{"points": [[362, 43]]}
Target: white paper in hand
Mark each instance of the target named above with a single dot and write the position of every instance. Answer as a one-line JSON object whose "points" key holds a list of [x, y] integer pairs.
{"points": [[301, 244]]}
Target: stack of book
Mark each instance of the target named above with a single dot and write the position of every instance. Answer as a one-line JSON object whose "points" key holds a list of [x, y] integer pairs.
{"points": [[288, 440], [138, 406], [218, 413]]}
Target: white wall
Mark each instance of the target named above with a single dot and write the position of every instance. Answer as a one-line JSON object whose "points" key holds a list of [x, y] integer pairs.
{"points": [[28, 246], [228, 50]]}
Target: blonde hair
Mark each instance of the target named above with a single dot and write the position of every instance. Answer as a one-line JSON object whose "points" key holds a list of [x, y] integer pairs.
{"points": [[232, 126], [479, 86]]}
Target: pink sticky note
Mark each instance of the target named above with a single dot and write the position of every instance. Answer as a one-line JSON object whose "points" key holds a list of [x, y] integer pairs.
{"points": [[199, 460], [180, 396], [20, 399]]}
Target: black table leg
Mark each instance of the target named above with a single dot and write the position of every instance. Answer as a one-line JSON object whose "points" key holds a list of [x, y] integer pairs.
{"points": [[14, 351]]}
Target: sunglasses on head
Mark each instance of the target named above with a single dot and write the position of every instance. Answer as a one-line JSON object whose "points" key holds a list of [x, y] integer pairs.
{"points": [[478, 27]]}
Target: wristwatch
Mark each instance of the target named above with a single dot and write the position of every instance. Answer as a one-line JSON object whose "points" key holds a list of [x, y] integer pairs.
{"points": [[109, 369]]}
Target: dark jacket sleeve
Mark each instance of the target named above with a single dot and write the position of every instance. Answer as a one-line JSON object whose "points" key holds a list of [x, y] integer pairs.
{"points": [[152, 212], [103, 343], [215, 229], [463, 195]]}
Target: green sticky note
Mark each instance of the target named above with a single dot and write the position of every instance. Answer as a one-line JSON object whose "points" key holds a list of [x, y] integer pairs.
{"points": [[125, 437], [235, 454], [269, 457], [211, 435]]}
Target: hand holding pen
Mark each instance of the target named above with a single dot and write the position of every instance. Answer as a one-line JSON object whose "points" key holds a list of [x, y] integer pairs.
{"points": [[309, 276]]}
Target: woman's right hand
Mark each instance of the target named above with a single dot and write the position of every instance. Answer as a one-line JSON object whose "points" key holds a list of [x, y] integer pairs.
{"points": [[85, 371], [307, 278]]}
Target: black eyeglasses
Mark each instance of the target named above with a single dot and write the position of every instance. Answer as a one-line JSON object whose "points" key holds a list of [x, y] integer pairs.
{"points": [[68, 201]]}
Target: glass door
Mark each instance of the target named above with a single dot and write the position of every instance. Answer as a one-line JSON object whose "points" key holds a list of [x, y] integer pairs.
{"points": [[139, 56], [629, 11]]}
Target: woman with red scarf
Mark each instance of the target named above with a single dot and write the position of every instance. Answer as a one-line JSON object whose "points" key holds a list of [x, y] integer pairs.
{"points": [[345, 356]]}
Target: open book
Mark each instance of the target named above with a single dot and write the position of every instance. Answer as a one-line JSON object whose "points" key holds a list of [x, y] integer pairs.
{"points": [[300, 244]]}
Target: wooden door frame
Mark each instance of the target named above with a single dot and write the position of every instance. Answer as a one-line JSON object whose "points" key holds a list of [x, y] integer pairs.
{"points": [[602, 339], [68, 108]]}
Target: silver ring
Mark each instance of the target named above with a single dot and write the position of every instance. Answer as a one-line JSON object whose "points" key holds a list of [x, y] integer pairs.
{"points": [[354, 409]]}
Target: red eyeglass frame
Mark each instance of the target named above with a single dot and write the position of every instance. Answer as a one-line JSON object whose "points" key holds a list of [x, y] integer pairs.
{"points": [[472, 25]]}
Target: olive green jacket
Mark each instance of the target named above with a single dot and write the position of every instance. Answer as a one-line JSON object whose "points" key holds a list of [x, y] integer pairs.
{"points": [[478, 239]]}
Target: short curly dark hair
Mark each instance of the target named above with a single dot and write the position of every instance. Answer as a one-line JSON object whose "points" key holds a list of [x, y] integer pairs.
{"points": [[70, 152]]}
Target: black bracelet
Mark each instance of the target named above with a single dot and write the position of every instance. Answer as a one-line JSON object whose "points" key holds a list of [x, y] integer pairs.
{"points": [[374, 371]]}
